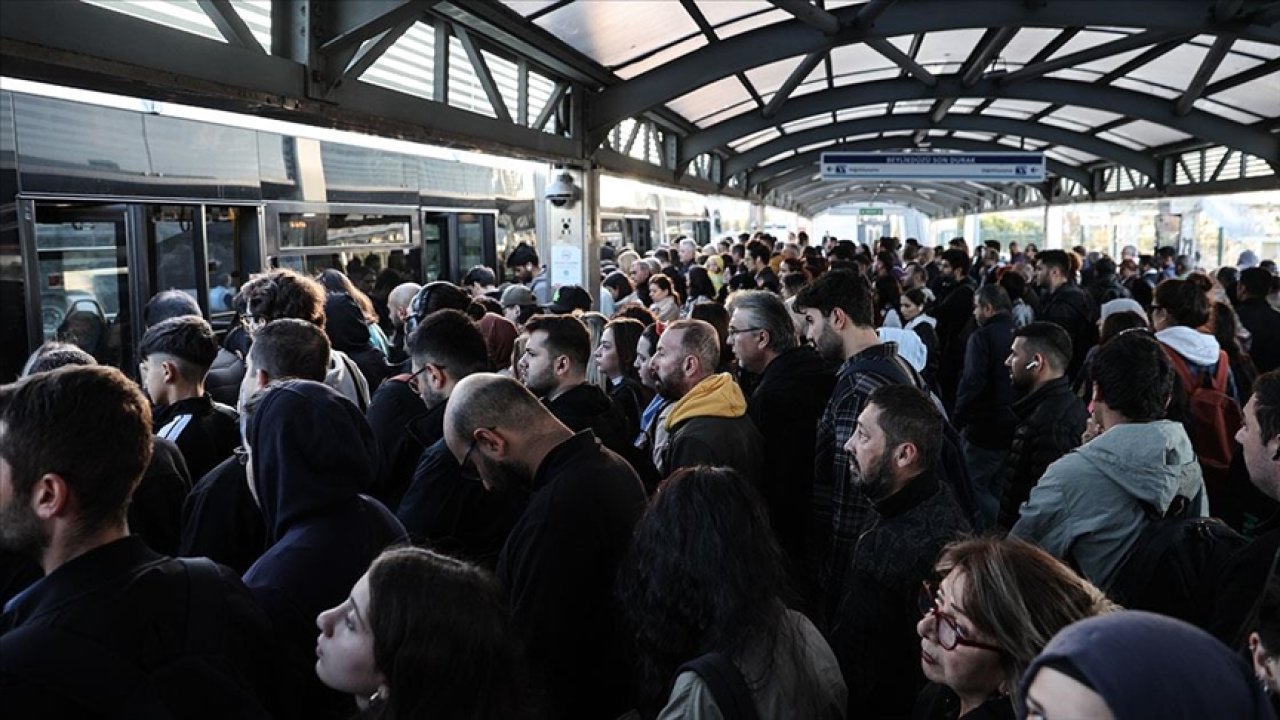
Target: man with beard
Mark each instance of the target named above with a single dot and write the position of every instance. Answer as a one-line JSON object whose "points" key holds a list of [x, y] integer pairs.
{"points": [[96, 635], [1051, 419], [708, 423], [894, 453], [559, 562], [523, 263], [839, 321]]}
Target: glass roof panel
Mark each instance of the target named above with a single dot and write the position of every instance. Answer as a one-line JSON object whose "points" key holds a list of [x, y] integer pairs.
{"points": [[1074, 74], [1107, 64], [974, 135], [1027, 43], [810, 122], [1021, 143], [528, 7], [768, 78], [409, 65], [1071, 156], [1150, 134], [725, 114], [1261, 96], [184, 15], [719, 12], [612, 33], [948, 45], [775, 158], [1175, 69], [861, 111], [1088, 117], [1121, 140], [1015, 108], [1086, 39], [964, 105], [747, 24], [868, 76], [857, 58], [710, 99], [1228, 112], [755, 139], [1256, 49], [643, 65], [1146, 87], [815, 146]]}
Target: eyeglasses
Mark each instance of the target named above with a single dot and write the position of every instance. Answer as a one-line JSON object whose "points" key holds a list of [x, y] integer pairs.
{"points": [[945, 630], [472, 447], [733, 331], [241, 454]]}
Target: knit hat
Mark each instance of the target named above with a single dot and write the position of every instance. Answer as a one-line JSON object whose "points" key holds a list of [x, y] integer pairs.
{"points": [[1119, 305]]}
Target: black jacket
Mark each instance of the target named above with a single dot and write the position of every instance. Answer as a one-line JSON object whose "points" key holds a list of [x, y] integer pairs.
{"points": [[348, 332], [938, 702], [313, 455], [785, 407], [1263, 324], [1050, 423], [450, 511], [558, 567], [224, 378], [122, 600], [953, 310], [1106, 289], [403, 428], [720, 441], [221, 521], [155, 513], [631, 397], [985, 396], [1240, 585], [587, 407], [929, 336], [880, 608], [205, 431], [1073, 310]]}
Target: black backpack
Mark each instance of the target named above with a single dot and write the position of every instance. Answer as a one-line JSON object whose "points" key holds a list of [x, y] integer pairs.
{"points": [[1172, 569], [952, 468], [199, 683]]}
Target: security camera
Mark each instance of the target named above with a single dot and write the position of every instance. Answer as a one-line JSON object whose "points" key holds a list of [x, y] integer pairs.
{"points": [[562, 192]]}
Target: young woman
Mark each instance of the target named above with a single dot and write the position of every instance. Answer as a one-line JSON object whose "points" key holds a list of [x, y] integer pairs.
{"points": [[704, 581], [888, 293], [423, 636], [615, 358], [915, 319], [665, 303], [998, 604], [701, 289]]}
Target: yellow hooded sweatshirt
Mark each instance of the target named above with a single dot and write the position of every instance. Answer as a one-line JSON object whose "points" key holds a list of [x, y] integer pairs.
{"points": [[716, 396]]}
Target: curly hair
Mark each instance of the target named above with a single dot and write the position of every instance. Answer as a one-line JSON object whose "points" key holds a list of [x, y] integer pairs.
{"points": [[284, 293]]}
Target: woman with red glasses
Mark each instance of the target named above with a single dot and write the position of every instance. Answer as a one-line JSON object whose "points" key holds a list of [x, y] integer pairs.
{"points": [[998, 603]]}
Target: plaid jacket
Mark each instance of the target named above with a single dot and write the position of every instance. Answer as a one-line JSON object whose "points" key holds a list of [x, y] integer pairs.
{"points": [[841, 511]]}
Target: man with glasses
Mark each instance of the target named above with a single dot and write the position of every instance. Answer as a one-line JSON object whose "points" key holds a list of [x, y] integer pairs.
{"points": [[442, 505], [894, 452], [793, 388], [559, 563]]}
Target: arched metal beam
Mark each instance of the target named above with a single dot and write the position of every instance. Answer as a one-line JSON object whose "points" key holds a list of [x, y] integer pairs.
{"points": [[911, 201], [1136, 105], [936, 194], [1118, 154], [782, 40], [766, 176], [955, 192]]}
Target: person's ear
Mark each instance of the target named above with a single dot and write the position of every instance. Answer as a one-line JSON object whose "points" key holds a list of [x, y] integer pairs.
{"points": [[170, 369], [562, 364], [906, 454], [437, 376], [491, 442], [839, 320], [261, 379], [50, 496]]}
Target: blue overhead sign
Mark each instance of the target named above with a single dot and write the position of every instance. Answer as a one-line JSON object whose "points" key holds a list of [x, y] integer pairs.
{"points": [[979, 166]]}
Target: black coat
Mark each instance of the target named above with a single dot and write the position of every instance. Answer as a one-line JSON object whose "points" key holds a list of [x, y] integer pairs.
{"points": [[631, 397], [155, 513], [1073, 310], [587, 407], [953, 310], [221, 521], [1263, 324], [558, 567], [785, 407], [1050, 423], [984, 398], [205, 431], [403, 428]]}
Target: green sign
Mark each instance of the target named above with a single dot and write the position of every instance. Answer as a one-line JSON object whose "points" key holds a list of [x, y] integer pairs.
{"points": [[871, 211]]}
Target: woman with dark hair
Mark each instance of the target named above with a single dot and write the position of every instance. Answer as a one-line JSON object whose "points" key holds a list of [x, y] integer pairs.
{"points": [[701, 289], [704, 589], [888, 293], [1117, 316], [423, 635], [1226, 328], [912, 304], [335, 282], [615, 358], [999, 602], [665, 300]]}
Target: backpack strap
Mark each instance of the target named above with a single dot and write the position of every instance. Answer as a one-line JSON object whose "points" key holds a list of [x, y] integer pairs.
{"points": [[1180, 367], [1220, 377], [727, 686], [204, 603]]}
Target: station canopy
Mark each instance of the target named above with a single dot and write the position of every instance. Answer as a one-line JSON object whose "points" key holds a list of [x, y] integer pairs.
{"points": [[1125, 98]]}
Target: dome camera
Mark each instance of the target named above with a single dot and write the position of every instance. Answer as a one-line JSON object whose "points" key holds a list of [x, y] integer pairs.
{"points": [[562, 192]]}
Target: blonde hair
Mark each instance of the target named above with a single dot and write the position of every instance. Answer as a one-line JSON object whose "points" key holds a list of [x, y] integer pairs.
{"points": [[1019, 595]]}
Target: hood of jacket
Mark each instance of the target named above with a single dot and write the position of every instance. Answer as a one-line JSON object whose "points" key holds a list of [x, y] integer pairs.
{"points": [[312, 452], [910, 347], [1197, 347], [1154, 462], [922, 318], [716, 396], [344, 323]]}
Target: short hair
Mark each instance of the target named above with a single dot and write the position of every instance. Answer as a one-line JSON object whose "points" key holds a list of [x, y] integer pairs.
{"points": [[494, 400], [1133, 376], [291, 348], [1047, 339], [957, 258], [91, 425], [449, 339], [700, 340], [1104, 267], [618, 280], [1119, 322], [995, 297], [169, 304], [1059, 259], [769, 313], [1257, 281], [566, 335], [1266, 395], [916, 296], [187, 338], [1184, 301], [480, 275], [438, 295], [284, 293], [757, 250], [842, 289], [53, 355], [1013, 283], [641, 314], [522, 254], [908, 415]]}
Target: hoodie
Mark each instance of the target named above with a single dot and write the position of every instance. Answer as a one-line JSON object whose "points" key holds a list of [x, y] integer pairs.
{"points": [[709, 426], [313, 454], [1196, 347], [349, 333], [1093, 503]]}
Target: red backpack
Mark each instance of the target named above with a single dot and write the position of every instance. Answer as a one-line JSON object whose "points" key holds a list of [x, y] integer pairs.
{"points": [[1214, 417]]}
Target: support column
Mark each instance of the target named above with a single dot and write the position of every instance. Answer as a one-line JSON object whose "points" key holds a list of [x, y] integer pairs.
{"points": [[1052, 227], [572, 236]]}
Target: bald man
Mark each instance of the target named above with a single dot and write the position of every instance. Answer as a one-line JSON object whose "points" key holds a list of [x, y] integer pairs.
{"points": [[559, 562], [398, 304]]}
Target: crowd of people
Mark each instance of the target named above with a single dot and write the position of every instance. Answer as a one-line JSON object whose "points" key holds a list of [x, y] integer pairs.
{"points": [[764, 479]]}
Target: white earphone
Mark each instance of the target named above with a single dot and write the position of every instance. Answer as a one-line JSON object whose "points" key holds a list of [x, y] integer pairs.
{"points": [[1033, 364]]}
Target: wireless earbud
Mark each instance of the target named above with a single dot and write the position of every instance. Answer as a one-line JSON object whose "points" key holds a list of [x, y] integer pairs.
{"points": [[1033, 364]]}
